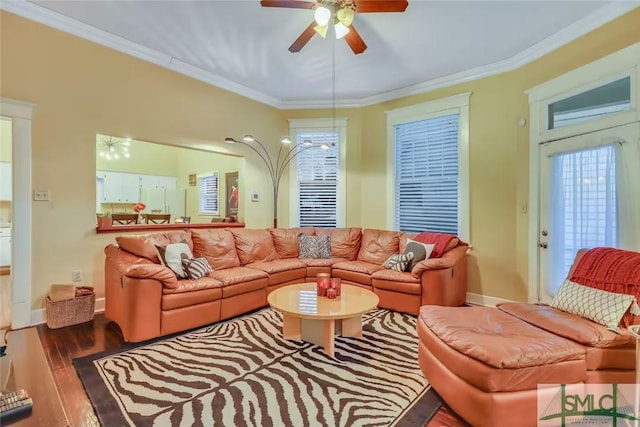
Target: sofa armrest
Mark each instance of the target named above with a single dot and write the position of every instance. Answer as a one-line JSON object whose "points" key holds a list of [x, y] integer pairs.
{"points": [[444, 282], [153, 271], [448, 260]]}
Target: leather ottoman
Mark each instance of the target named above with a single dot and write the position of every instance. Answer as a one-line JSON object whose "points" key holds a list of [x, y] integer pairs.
{"points": [[487, 364]]}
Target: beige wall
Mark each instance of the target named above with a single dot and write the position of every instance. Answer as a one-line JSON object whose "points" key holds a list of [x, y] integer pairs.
{"points": [[499, 157], [81, 89]]}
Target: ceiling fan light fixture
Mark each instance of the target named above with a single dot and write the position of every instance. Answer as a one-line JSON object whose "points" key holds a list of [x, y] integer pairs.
{"points": [[229, 140], [307, 143], [286, 140], [248, 138], [324, 146], [341, 30], [345, 15], [321, 30], [322, 15]]}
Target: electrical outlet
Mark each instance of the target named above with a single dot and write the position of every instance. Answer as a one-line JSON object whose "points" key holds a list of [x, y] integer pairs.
{"points": [[76, 276], [41, 195]]}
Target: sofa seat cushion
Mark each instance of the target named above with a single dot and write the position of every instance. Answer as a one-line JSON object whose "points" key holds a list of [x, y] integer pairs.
{"points": [[282, 270], [568, 325], [232, 276], [358, 267], [321, 262], [489, 378], [496, 338], [217, 246], [193, 297], [395, 276], [396, 281], [277, 266]]}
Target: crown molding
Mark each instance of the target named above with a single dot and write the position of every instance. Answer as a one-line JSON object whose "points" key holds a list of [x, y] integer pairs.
{"points": [[579, 28]]}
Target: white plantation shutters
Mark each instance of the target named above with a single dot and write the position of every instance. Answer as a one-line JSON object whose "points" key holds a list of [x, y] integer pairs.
{"points": [[317, 176], [208, 187], [426, 165]]}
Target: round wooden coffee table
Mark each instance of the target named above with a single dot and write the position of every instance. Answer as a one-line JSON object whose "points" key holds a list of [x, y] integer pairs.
{"points": [[308, 317]]}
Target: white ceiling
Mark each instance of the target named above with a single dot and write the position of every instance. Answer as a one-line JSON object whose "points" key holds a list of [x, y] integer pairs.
{"points": [[243, 46]]}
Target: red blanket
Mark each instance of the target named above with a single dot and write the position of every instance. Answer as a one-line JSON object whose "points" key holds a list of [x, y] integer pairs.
{"points": [[613, 270], [441, 241]]}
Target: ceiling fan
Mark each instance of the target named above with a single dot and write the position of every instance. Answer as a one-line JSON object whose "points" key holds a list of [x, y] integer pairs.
{"points": [[339, 14]]}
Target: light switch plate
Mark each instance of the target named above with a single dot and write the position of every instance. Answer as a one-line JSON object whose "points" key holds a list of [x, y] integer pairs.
{"points": [[41, 195]]}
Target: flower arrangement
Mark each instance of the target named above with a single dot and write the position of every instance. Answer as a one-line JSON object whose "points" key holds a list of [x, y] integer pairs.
{"points": [[138, 207]]}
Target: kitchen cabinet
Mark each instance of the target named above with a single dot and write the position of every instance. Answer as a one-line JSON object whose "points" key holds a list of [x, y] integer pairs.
{"points": [[5, 247], [120, 187], [124, 187], [5, 181]]}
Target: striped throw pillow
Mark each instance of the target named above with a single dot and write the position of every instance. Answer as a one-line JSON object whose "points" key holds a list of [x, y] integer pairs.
{"points": [[196, 267], [398, 262]]}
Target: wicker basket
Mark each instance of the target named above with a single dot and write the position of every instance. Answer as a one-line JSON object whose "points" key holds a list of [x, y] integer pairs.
{"points": [[71, 311]]}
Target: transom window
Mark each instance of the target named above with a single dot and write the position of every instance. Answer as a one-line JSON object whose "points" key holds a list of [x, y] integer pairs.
{"points": [[592, 104]]}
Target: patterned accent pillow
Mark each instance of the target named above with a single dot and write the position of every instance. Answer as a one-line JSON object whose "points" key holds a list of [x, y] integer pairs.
{"points": [[171, 256], [421, 251], [605, 308], [314, 246], [196, 267], [398, 262]]}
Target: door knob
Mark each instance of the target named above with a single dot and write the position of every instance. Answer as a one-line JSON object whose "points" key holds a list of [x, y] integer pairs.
{"points": [[544, 233], [543, 245]]}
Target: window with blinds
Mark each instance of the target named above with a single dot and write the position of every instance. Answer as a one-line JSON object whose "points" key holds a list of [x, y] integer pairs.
{"points": [[317, 180], [426, 165], [208, 185]]}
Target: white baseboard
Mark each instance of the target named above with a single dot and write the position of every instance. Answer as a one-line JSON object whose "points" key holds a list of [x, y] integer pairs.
{"points": [[485, 300], [38, 316]]}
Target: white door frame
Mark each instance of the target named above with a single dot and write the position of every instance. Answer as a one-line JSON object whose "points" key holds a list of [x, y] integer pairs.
{"points": [[20, 113], [618, 64]]}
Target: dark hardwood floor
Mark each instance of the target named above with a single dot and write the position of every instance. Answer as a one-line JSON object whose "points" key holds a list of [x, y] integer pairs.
{"points": [[65, 344]]}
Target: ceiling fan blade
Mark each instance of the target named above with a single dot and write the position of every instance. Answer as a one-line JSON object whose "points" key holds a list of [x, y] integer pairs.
{"points": [[354, 41], [303, 39], [372, 6], [293, 4]]}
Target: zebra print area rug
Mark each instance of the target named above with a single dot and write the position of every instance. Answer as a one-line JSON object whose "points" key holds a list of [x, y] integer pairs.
{"points": [[242, 373]]}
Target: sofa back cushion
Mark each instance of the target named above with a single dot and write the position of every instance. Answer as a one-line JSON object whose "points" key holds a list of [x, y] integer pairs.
{"points": [[217, 246], [378, 245], [254, 245], [285, 240], [345, 242], [144, 245]]}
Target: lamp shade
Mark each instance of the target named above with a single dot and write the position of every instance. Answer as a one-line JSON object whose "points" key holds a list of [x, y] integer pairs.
{"points": [[341, 30], [322, 15]]}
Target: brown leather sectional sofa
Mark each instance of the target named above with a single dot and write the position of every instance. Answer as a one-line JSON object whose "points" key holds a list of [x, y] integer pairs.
{"points": [[487, 363], [147, 300]]}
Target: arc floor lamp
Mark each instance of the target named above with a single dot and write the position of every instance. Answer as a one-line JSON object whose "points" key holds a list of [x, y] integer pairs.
{"points": [[276, 166]]}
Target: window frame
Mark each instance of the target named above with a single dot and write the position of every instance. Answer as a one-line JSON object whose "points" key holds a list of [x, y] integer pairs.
{"points": [[320, 125], [457, 104], [199, 178]]}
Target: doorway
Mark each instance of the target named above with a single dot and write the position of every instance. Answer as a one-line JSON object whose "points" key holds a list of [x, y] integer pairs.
{"points": [[6, 213], [587, 187]]}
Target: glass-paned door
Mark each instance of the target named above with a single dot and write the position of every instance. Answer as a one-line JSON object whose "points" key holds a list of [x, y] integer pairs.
{"points": [[586, 199]]}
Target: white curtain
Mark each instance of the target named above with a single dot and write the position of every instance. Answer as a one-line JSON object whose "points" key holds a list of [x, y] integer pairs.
{"points": [[583, 208]]}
